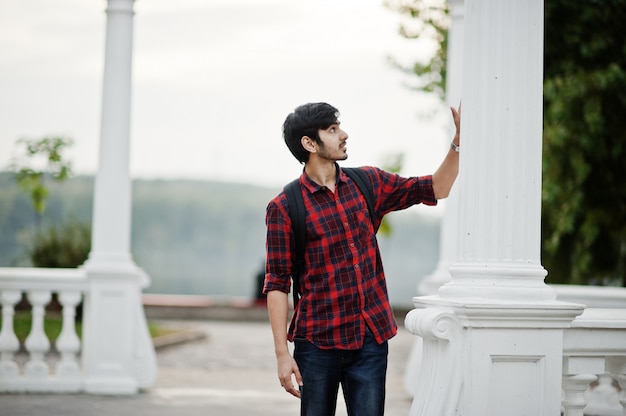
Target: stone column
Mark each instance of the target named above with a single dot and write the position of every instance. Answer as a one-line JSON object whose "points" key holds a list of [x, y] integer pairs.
{"points": [[493, 335], [118, 357], [112, 195]]}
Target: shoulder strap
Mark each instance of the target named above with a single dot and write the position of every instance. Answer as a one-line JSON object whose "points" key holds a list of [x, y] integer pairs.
{"points": [[365, 186], [297, 214]]}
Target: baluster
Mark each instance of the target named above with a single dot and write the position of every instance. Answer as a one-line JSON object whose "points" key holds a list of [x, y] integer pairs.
{"points": [[68, 343], [574, 387], [9, 344], [621, 380], [617, 368], [37, 343]]}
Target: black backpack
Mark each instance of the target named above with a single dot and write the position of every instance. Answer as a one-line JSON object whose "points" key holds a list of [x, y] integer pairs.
{"points": [[297, 213]]}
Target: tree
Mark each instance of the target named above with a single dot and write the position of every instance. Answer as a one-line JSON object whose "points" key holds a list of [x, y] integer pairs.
{"points": [[68, 244], [40, 159], [429, 19], [584, 196]]}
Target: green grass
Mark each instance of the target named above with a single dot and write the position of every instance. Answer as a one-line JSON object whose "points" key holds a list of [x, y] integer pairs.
{"points": [[22, 323]]}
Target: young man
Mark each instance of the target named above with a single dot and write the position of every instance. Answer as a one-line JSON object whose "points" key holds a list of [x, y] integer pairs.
{"points": [[342, 322]]}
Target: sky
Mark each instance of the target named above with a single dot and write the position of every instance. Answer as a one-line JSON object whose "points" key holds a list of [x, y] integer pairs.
{"points": [[213, 80]]}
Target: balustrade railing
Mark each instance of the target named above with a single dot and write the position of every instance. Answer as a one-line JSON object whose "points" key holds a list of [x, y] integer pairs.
{"points": [[594, 364], [36, 364], [593, 372], [115, 355]]}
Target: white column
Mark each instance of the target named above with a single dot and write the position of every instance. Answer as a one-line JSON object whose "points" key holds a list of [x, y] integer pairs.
{"points": [[118, 357], [110, 244], [500, 172], [510, 327]]}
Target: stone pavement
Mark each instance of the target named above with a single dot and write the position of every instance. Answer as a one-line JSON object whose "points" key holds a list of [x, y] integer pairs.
{"points": [[231, 372]]}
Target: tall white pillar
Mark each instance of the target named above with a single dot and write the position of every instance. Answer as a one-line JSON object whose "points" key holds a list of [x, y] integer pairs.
{"points": [[112, 195], [118, 356], [493, 335], [500, 171]]}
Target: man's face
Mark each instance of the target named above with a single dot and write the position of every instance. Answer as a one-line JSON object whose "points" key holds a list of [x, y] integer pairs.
{"points": [[333, 146]]}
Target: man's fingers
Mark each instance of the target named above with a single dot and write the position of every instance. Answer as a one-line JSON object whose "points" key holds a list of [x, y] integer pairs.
{"points": [[293, 391], [296, 372], [289, 387]]}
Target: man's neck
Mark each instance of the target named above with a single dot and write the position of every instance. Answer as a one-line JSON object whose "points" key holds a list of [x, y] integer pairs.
{"points": [[324, 173]]}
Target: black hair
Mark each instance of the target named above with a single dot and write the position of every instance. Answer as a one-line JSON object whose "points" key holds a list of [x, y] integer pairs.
{"points": [[307, 120]]}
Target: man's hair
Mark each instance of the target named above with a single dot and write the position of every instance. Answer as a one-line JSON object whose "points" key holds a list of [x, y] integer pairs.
{"points": [[307, 120]]}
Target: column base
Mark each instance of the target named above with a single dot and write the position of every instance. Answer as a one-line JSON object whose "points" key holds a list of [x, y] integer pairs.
{"points": [[110, 385], [508, 281], [489, 358], [118, 354]]}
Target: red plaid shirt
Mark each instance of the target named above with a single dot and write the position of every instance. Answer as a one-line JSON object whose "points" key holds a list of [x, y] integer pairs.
{"points": [[343, 285]]}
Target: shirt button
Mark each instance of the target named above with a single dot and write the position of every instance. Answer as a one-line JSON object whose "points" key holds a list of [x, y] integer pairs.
{"points": [[345, 223], [356, 266], [351, 244]]}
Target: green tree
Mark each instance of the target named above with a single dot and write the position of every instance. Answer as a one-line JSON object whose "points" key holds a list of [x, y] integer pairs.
{"points": [[68, 244], [40, 159], [584, 196], [429, 19]]}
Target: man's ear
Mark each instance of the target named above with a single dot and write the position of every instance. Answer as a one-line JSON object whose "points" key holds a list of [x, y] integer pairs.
{"points": [[308, 144]]}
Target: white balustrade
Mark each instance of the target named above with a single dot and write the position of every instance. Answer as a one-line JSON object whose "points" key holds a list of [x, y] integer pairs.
{"points": [[34, 369], [61, 365], [594, 349]]}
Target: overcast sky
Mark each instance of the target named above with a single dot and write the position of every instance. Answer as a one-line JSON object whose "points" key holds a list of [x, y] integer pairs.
{"points": [[213, 81]]}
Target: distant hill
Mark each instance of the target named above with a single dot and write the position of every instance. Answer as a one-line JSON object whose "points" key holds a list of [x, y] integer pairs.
{"points": [[205, 238]]}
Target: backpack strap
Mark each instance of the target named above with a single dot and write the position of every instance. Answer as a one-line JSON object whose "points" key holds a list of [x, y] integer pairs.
{"points": [[365, 186], [297, 214]]}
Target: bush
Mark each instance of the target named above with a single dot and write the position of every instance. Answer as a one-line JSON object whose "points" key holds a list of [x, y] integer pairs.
{"points": [[66, 245]]}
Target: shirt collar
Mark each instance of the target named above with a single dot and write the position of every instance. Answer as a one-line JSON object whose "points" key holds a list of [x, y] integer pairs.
{"points": [[312, 186]]}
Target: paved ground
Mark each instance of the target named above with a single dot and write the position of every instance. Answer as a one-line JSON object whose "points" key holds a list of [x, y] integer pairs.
{"points": [[231, 373]]}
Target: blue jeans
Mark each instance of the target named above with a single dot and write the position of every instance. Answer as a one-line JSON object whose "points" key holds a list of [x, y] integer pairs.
{"points": [[361, 373]]}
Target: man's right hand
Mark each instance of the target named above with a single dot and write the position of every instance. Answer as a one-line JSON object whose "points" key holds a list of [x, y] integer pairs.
{"points": [[286, 368]]}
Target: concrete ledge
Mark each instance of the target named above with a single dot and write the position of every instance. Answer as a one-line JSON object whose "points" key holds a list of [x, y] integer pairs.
{"points": [[177, 338], [203, 308]]}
